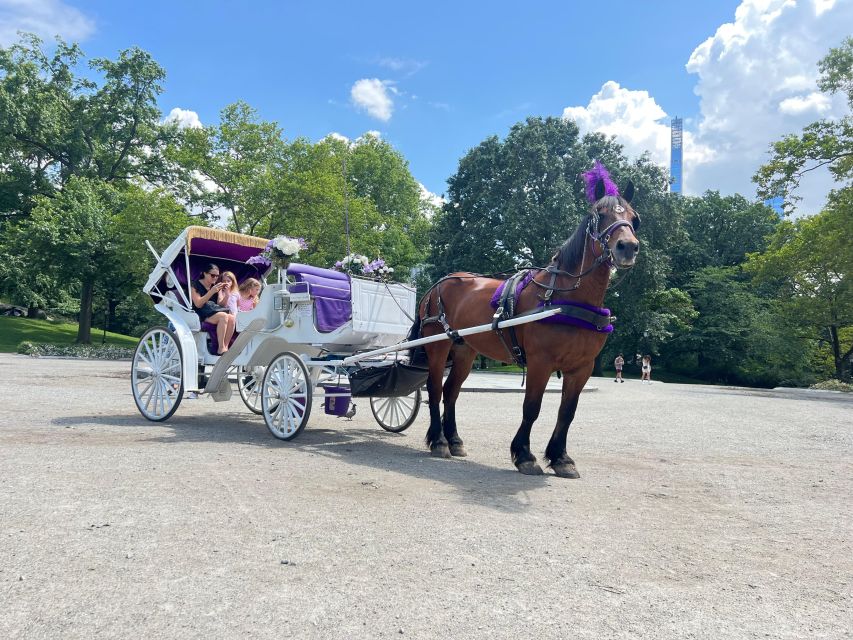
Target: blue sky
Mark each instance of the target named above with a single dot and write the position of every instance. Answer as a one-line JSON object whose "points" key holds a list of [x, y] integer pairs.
{"points": [[435, 80]]}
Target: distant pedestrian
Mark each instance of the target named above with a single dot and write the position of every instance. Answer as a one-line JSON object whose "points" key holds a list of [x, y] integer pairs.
{"points": [[647, 369], [619, 363]]}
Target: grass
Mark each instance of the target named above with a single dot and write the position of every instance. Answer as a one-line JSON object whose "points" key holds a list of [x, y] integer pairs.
{"points": [[14, 331]]}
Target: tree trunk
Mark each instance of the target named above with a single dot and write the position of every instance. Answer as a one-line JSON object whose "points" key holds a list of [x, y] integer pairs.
{"points": [[836, 352], [84, 328]]}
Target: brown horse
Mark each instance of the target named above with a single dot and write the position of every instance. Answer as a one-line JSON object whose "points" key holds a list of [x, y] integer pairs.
{"points": [[576, 278]]}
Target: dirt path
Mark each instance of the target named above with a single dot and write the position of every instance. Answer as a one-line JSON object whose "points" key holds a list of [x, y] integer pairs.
{"points": [[701, 512]]}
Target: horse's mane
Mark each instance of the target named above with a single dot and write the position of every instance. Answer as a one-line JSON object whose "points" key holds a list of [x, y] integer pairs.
{"points": [[570, 254]]}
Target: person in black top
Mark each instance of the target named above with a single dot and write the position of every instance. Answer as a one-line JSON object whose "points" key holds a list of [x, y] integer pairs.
{"points": [[204, 292]]}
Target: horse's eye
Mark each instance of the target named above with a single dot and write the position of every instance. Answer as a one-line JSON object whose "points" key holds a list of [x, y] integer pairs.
{"points": [[636, 222]]}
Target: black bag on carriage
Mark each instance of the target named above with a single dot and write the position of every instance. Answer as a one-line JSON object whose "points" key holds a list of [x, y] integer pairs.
{"points": [[391, 381]]}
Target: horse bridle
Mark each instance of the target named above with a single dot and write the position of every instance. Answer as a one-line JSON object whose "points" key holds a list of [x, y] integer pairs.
{"points": [[606, 257]]}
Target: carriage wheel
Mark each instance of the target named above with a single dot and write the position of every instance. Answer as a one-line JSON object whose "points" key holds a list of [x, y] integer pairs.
{"points": [[249, 382], [156, 375], [286, 396], [396, 414]]}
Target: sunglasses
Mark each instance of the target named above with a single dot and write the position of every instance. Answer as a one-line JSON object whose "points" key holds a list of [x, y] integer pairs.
{"points": [[215, 275]]}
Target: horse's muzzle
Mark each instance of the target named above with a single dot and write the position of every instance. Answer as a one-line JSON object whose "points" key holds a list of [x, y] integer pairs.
{"points": [[625, 253]]}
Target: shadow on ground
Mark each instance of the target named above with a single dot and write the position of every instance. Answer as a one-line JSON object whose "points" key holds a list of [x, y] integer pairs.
{"points": [[502, 489]]}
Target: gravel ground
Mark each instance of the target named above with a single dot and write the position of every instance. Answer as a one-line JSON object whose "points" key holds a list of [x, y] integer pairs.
{"points": [[702, 512]]}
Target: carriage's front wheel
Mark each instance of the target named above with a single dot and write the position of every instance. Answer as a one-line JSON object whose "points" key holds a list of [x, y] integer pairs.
{"points": [[249, 382], [156, 375], [286, 396], [396, 414]]}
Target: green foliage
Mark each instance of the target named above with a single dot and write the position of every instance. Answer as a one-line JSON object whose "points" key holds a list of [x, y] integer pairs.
{"points": [[231, 167], [809, 268], [720, 230], [737, 337], [822, 143]]}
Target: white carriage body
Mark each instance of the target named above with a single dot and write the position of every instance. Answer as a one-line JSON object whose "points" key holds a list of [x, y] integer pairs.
{"points": [[285, 318]]}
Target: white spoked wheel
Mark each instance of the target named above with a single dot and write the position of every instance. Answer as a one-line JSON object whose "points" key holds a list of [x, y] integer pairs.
{"points": [[249, 382], [286, 396], [156, 375], [396, 414]]}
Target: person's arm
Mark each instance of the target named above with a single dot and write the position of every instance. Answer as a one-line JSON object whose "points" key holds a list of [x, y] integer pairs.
{"points": [[199, 300]]}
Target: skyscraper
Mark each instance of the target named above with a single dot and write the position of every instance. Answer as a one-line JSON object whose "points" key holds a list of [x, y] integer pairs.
{"points": [[675, 155]]}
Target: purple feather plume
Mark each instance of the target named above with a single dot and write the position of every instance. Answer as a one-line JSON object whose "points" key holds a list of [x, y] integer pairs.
{"points": [[592, 177]]}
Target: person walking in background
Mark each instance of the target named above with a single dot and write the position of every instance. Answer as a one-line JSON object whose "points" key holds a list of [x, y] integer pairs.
{"points": [[619, 363], [647, 369]]}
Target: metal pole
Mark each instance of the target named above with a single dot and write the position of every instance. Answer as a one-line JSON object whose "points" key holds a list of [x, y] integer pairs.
{"points": [[346, 201], [442, 336]]}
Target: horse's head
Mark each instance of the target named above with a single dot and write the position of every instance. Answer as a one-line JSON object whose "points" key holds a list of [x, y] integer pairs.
{"points": [[613, 225]]}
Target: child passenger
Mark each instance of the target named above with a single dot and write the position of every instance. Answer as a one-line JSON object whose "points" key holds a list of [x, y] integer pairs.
{"points": [[249, 290], [228, 295]]}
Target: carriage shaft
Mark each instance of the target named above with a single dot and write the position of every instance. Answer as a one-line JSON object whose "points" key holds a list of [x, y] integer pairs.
{"points": [[443, 336]]}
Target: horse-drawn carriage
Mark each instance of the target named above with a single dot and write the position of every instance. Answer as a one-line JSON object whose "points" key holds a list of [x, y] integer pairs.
{"points": [[302, 339], [322, 331]]}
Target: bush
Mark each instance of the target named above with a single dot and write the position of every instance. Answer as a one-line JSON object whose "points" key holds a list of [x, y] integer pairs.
{"points": [[88, 351], [833, 385]]}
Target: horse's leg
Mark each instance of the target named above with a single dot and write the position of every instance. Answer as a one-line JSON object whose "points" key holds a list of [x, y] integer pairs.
{"points": [[522, 458], [437, 353], [556, 454], [463, 359]]}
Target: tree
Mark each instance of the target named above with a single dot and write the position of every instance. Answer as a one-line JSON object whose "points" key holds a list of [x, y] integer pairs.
{"points": [[57, 126], [721, 230], [809, 265], [232, 167], [737, 336], [823, 143], [91, 235]]}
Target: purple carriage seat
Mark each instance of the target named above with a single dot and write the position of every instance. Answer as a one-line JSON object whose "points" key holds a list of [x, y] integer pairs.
{"points": [[330, 291]]}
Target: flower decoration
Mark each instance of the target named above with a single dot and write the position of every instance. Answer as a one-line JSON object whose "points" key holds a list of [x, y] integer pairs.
{"points": [[353, 263], [358, 264], [379, 269], [279, 252]]}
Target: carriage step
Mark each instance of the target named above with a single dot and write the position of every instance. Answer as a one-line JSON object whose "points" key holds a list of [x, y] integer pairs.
{"points": [[218, 385]]}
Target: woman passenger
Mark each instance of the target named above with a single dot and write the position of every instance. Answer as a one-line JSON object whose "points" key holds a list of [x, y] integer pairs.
{"points": [[203, 291]]}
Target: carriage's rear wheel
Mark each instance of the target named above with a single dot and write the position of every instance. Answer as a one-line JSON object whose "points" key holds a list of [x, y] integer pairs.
{"points": [[396, 414], [249, 383], [156, 375], [286, 396]]}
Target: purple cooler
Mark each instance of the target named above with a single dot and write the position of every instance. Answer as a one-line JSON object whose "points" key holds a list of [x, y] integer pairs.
{"points": [[337, 406]]}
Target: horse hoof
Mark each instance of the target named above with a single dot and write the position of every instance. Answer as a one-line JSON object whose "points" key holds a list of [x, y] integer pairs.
{"points": [[530, 468], [458, 450], [439, 451], [566, 471]]}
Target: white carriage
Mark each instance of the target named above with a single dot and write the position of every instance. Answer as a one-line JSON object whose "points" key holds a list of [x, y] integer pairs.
{"points": [[314, 331]]}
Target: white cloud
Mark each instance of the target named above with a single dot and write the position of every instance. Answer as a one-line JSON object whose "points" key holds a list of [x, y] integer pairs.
{"points": [[638, 122], [756, 83], [431, 198], [45, 18], [184, 118], [371, 95], [816, 103], [405, 66]]}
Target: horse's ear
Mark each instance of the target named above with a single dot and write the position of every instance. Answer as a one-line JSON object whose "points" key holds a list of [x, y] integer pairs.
{"points": [[629, 192], [599, 189]]}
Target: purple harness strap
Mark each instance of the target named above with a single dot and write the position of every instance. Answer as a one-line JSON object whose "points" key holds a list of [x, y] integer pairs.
{"points": [[561, 318]]}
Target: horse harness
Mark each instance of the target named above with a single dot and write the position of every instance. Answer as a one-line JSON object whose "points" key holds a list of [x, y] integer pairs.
{"points": [[575, 313]]}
